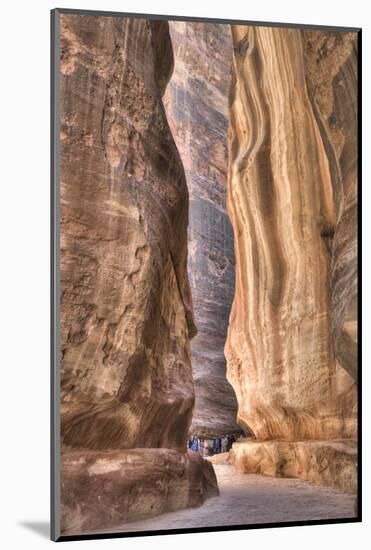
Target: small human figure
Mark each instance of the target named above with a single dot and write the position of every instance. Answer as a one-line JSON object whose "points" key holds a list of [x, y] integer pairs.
{"points": [[194, 446], [224, 444]]}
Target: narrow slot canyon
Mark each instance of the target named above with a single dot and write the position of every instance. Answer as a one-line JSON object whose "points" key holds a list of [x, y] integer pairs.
{"points": [[208, 274], [196, 105]]}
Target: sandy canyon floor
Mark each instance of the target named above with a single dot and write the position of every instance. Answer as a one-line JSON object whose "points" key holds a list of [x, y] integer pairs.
{"points": [[249, 499]]}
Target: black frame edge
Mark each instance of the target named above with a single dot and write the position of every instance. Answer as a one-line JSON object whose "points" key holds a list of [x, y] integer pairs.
{"points": [[191, 530]]}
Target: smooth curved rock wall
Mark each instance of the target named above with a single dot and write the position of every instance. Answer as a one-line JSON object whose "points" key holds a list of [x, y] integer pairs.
{"points": [[280, 348], [196, 102], [126, 310]]}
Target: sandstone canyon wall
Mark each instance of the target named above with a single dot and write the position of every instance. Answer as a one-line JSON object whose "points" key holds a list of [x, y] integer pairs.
{"points": [[127, 392], [196, 102], [292, 202], [331, 73]]}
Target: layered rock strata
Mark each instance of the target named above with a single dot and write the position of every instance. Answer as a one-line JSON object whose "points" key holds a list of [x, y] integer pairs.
{"points": [[294, 228], [126, 312], [196, 102]]}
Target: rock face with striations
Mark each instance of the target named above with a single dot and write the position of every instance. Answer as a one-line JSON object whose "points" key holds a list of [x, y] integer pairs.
{"points": [[331, 73], [291, 198], [196, 102], [126, 312]]}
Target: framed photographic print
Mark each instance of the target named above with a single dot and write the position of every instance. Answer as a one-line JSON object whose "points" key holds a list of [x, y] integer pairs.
{"points": [[205, 182]]}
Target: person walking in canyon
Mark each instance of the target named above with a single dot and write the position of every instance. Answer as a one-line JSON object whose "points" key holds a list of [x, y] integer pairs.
{"points": [[195, 445]]}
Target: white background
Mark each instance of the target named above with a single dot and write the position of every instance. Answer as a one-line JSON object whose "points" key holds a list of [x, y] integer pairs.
{"points": [[24, 271]]}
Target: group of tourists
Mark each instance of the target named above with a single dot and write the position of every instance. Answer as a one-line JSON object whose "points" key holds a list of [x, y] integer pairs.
{"points": [[211, 446]]}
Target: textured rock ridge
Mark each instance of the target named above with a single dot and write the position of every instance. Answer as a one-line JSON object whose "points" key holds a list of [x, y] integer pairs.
{"points": [[331, 74], [107, 488], [287, 323], [330, 463], [126, 311], [126, 315], [196, 102]]}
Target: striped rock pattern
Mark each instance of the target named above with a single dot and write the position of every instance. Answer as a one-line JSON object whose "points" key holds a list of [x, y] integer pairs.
{"points": [[291, 276], [196, 103], [331, 73]]}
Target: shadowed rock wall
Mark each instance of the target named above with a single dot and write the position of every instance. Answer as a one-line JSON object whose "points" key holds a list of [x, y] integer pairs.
{"points": [[196, 103], [126, 312], [291, 198]]}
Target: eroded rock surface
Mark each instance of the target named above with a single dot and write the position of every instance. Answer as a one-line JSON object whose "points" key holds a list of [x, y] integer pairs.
{"points": [[330, 463], [126, 312], [331, 73], [104, 489], [289, 307], [196, 103]]}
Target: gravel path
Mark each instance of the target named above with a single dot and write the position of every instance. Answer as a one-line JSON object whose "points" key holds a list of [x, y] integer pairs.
{"points": [[246, 498]]}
